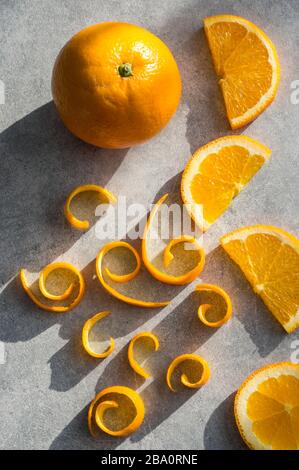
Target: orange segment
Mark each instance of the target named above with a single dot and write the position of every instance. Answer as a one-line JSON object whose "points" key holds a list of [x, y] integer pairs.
{"points": [[267, 408], [217, 173], [246, 61], [269, 258]]}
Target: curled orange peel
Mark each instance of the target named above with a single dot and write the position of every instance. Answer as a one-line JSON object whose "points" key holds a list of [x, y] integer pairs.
{"points": [[205, 375], [133, 363], [168, 256], [84, 224], [88, 325], [122, 278], [202, 309], [99, 406], [58, 297]]}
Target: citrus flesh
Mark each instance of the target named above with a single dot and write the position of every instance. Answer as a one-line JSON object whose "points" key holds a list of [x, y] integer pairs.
{"points": [[267, 408], [217, 173], [246, 62], [269, 258]]}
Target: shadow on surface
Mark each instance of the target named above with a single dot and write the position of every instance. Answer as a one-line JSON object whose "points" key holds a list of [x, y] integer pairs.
{"points": [[206, 119], [203, 97], [221, 431], [40, 163], [76, 436], [178, 332], [71, 364]]}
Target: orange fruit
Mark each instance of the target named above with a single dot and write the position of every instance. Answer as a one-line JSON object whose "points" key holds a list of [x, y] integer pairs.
{"points": [[216, 173], [267, 408], [269, 258], [115, 85], [247, 64]]}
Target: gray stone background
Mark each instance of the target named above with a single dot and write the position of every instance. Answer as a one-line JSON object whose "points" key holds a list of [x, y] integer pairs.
{"points": [[46, 380]]}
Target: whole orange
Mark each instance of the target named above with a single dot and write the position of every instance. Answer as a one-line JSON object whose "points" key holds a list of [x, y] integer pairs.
{"points": [[115, 85]]}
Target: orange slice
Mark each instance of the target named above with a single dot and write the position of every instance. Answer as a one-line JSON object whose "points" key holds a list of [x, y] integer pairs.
{"points": [[267, 408], [216, 174], [269, 258], [246, 62]]}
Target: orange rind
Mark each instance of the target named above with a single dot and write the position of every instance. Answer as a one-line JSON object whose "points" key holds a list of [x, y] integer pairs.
{"points": [[205, 308], [100, 405], [122, 278], [78, 286], [141, 337], [88, 326], [185, 278], [74, 221], [197, 362]]}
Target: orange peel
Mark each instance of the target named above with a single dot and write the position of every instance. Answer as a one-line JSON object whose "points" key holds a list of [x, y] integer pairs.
{"points": [[168, 256], [200, 361], [202, 309], [98, 408], [132, 361], [84, 224], [88, 326], [122, 278], [55, 297]]}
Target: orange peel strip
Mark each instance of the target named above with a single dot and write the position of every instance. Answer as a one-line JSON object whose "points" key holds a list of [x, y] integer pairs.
{"points": [[133, 363], [84, 224], [98, 408], [168, 256], [202, 309], [42, 286], [184, 379], [122, 278], [88, 325]]}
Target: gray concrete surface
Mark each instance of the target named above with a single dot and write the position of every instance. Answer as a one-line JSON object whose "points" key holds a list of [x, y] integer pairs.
{"points": [[46, 381]]}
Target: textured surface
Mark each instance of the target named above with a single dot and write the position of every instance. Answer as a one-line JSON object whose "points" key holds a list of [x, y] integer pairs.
{"points": [[46, 382]]}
